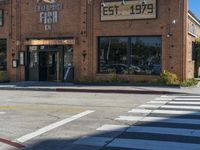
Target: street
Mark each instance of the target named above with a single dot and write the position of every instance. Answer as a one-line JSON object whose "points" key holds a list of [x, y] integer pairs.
{"points": [[38, 120]]}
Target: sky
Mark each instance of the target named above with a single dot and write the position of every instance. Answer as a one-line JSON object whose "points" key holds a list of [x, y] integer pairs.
{"points": [[194, 6]]}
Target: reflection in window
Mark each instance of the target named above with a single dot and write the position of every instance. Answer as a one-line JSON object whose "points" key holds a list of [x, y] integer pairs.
{"points": [[113, 54], [3, 55], [1, 17], [145, 55], [130, 55]]}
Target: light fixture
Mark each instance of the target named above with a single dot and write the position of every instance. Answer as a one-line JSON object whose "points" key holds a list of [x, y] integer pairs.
{"points": [[174, 21], [123, 2], [103, 3], [144, 2]]}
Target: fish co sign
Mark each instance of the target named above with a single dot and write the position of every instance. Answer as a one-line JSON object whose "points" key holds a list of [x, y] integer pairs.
{"points": [[48, 12]]}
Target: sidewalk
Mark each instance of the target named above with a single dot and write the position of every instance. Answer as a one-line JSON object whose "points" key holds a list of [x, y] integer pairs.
{"points": [[70, 87]]}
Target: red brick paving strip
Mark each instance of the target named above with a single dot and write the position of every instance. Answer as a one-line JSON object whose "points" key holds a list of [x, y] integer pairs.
{"points": [[17, 145]]}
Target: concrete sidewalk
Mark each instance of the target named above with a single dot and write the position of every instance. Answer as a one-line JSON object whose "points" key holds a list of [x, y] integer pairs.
{"points": [[120, 88]]}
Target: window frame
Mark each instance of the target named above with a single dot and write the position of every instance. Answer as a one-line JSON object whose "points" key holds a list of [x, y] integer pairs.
{"points": [[128, 52]]}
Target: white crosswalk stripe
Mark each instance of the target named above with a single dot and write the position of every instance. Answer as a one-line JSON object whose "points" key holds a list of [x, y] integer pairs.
{"points": [[169, 106], [152, 145], [168, 122], [169, 112], [2, 113]]}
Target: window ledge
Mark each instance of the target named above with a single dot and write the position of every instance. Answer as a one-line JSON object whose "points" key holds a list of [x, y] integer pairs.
{"points": [[192, 34]]}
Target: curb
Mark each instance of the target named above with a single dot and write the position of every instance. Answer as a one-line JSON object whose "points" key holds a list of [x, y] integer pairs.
{"points": [[93, 90]]}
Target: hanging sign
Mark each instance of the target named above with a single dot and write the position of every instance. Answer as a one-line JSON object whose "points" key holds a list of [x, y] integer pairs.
{"points": [[129, 10], [48, 12]]}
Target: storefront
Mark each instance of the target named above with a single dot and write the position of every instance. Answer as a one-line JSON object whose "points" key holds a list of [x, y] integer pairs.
{"points": [[49, 59], [64, 40]]}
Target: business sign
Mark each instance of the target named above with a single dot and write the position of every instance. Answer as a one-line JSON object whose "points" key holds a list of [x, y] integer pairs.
{"points": [[48, 12], [130, 10]]}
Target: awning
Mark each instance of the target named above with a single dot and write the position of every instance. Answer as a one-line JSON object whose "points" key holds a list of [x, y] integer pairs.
{"points": [[50, 42]]}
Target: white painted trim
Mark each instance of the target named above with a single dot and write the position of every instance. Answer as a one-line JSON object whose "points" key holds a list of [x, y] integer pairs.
{"points": [[198, 23]]}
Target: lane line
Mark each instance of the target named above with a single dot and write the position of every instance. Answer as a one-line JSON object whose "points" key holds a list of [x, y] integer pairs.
{"points": [[93, 141], [52, 126], [162, 130], [152, 144], [108, 127], [14, 144], [2, 113], [159, 119], [170, 112]]}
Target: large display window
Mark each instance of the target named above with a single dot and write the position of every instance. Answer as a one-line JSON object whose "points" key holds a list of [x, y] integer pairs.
{"points": [[130, 55]]}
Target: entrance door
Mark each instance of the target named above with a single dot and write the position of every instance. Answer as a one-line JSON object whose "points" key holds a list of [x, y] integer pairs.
{"points": [[49, 66]]}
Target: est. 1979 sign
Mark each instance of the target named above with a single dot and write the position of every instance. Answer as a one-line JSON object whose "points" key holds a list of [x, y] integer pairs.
{"points": [[130, 10]]}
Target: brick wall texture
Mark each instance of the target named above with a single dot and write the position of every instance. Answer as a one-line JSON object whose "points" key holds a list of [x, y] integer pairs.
{"points": [[81, 19]]}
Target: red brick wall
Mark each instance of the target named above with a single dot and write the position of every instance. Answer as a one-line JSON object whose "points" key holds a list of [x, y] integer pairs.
{"points": [[81, 20]]}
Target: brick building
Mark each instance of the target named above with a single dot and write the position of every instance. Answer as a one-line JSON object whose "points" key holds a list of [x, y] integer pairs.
{"points": [[62, 40]]}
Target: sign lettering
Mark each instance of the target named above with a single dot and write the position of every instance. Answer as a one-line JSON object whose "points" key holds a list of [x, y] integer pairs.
{"points": [[48, 12], [135, 9]]}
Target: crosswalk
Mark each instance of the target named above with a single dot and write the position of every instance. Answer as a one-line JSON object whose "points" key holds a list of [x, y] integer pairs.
{"points": [[167, 123]]}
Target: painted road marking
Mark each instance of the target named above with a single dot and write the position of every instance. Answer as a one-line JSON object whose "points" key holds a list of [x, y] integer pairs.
{"points": [[158, 102], [146, 129], [187, 99], [108, 127], [93, 141], [169, 131], [52, 126], [163, 99], [169, 106], [186, 102], [192, 96], [181, 107], [159, 119], [170, 112], [151, 144], [150, 106], [141, 111], [2, 113], [174, 102]]}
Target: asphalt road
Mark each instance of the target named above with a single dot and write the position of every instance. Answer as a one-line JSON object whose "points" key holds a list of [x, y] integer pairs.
{"points": [[55, 120]]}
